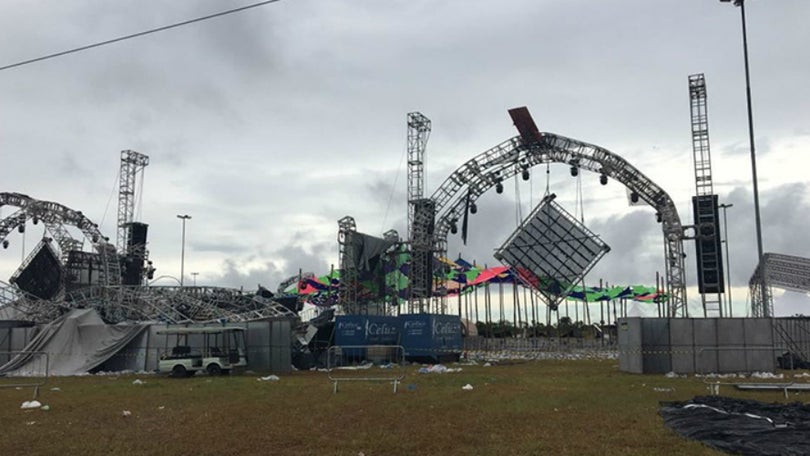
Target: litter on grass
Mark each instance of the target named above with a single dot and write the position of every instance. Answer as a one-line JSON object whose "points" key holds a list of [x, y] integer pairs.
{"points": [[360, 367], [467, 387], [269, 378], [138, 381], [126, 413], [31, 405], [437, 369]]}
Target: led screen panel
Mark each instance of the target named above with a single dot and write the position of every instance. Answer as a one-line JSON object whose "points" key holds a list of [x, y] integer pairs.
{"points": [[42, 274], [551, 250]]}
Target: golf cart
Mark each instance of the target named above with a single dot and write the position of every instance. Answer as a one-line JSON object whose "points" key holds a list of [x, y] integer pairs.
{"points": [[217, 350]]}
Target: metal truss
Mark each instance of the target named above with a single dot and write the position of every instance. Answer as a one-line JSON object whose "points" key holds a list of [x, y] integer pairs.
{"points": [[515, 155], [418, 133], [56, 218], [25, 306], [347, 289], [173, 305], [131, 164], [706, 223], [777, 270]]}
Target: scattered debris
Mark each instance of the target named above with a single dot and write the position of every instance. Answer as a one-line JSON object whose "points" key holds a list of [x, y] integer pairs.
{"points": [[437, 369], [269, 378], [766, 375], [663, 390], [45, 408], [672, 374], [56, 388], [467, 387], [161, 407], [487, 364], [126, 413], [30, 423], [31, 405], [138, 381], [360, 367]]}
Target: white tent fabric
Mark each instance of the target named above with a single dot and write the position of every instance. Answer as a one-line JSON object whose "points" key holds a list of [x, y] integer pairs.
{"points": [[75, 343]]}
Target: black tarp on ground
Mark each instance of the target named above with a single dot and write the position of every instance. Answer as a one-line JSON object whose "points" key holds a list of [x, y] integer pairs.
{"points": [[742, 426]]}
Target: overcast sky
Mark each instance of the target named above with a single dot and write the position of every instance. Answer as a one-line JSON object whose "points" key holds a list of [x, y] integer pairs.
{"points": [[269, 125]]}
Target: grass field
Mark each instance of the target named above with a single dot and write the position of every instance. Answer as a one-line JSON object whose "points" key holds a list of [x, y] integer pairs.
{"points": [[530, 408]]}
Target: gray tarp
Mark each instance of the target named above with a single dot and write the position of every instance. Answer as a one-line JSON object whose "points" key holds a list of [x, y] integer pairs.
{"points": [[76, 343], [367, 251]]}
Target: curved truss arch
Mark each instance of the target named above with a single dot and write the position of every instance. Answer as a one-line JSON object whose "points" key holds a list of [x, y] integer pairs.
{"points": [[515, 155], [56, 218]]}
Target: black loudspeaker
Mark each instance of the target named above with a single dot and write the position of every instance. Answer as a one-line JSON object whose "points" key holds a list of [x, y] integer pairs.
{"points": [[137, 234], [421, 273], [708, 244]]}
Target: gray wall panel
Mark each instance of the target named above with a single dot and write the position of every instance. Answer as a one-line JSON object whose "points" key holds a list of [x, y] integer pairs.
{"points": [[630, 336], [731, 361], [730, 332], [680, 331]]}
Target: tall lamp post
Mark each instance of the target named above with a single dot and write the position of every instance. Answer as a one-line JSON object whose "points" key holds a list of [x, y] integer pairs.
{"points": [[741, 4], [728, 261], [183, 247]]}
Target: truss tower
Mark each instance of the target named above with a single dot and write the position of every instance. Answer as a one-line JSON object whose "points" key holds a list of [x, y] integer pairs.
{"points": [[132, 163], [704, 204]]}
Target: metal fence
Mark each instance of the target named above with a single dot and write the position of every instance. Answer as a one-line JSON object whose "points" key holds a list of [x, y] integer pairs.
{"points": [[366, 363], [35, 362]]}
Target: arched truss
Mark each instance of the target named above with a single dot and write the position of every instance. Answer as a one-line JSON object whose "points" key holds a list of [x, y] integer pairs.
{"points": [[515, 155], [56, 218]]}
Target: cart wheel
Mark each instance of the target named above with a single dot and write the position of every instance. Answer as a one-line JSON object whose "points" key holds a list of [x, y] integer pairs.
{"points": [[179, 371], [214, 369]]}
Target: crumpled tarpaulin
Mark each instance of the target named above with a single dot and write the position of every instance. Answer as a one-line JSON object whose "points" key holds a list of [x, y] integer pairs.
{"points": [[742, 426], [76, 343]]}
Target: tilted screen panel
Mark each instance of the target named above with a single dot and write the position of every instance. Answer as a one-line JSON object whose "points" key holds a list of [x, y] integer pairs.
{"points": [[555, 247]]}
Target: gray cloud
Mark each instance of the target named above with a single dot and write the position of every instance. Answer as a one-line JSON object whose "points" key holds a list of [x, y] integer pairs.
{"points": [[268, 126]]}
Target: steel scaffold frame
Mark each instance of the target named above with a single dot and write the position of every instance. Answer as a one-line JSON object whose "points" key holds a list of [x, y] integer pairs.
{"points": [[514, 155]]}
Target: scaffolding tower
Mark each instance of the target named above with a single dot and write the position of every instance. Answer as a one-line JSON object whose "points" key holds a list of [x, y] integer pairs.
{"points": [[421, 215], [704, 205], [132, 163]]}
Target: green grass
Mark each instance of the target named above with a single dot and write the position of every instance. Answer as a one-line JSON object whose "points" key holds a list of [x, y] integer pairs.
{"points": [[532, 408]]}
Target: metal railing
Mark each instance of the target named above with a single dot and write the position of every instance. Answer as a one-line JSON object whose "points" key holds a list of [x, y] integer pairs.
{"points": [[39, 370], [367, 363]]}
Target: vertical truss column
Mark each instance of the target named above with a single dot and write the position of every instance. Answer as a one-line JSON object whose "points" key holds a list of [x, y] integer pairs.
{"points": [[707, 239], [347, 288], [131, 164], [419, 128], [421, 213]]}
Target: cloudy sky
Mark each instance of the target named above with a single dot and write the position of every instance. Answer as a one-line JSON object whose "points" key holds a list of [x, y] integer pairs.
{"points": [[269, 125]]}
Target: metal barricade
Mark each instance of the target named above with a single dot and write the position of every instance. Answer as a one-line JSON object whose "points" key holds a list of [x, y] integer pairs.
{"points": [[34, 372], [367, 363]]}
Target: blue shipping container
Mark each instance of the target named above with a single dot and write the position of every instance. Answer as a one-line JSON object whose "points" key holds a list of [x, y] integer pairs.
{"points": [[431, 337], [365, 330]]}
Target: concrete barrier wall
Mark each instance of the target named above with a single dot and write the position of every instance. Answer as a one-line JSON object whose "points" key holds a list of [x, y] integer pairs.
{"points": [[699, 345]]}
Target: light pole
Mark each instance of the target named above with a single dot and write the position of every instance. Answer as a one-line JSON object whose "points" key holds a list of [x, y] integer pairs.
{"points": [[183, 247], [728, 261], [194, 275], [741, 4]]}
